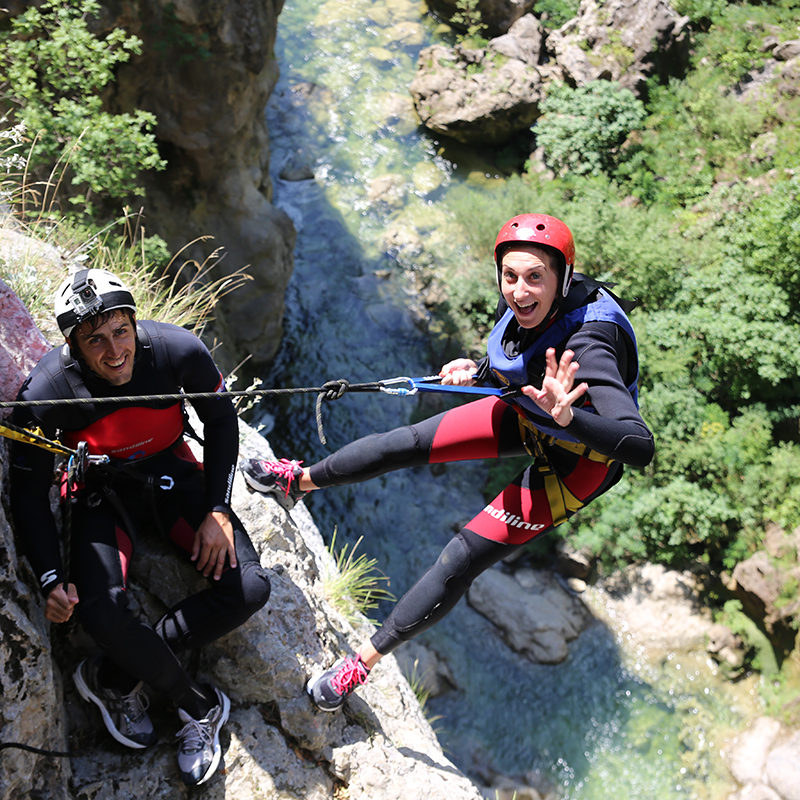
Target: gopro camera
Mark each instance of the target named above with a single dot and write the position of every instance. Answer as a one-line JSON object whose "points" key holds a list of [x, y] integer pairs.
{"points": [[85, 299]]}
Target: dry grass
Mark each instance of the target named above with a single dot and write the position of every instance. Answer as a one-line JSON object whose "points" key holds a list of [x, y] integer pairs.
{"points": [[40, 248]]}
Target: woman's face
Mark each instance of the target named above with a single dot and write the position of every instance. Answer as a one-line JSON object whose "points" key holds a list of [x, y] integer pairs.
{"points": [[528, 283]]}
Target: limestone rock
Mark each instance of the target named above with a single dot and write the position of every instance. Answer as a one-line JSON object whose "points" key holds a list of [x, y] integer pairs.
{"points": [[276, 745], [206, 72], [481, 95], [783, 768], [487, 95], [621, 40], [29, 686], [764, 586], [21, 343], [654, 607], [536, 615], [785, 51], [747, 756]]}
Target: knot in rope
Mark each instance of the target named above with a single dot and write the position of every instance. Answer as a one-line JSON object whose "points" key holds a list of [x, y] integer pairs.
{"points": [[330, 390]]}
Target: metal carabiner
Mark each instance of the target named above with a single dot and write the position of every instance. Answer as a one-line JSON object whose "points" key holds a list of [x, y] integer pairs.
{"points": [[404, 392]]}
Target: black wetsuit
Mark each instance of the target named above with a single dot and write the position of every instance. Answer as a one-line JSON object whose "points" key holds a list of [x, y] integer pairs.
{"points": [[566, 473], [153, 486]]}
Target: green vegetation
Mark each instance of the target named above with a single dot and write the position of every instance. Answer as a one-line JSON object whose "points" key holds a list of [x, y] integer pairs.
{"points": [[689, 202], [554, 13], [52, 72], [56, 142], [581, 130], [468, 18], [354, 586]]}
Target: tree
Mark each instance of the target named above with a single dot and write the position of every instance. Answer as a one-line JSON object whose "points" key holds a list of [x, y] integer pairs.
{"points": [[52, 70], [582, 130]]}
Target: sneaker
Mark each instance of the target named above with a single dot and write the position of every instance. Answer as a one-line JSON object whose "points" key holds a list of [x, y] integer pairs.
{"points": [[329, 690], [125, 715], [276, 478], [199, 752]]}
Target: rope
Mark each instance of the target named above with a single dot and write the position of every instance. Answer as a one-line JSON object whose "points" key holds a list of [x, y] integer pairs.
{"points": [[331, 390], [133, 398], [38, 750]]}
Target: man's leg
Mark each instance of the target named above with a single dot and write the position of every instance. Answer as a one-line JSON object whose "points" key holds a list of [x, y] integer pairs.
{"points": [[225, 604]]}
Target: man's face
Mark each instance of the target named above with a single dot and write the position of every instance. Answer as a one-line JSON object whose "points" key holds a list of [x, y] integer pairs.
{"points": [[528, 282], [109, 349]]}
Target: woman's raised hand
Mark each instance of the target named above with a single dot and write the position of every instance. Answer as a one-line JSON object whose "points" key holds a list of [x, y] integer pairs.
{"points": [[557, 393]]}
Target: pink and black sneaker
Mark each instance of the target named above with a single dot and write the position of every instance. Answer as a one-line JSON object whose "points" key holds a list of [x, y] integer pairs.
{"points": [[329, 690], [278, 479]]}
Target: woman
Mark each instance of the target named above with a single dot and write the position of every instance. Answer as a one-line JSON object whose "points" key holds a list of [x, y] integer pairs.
{"points": [[566, 351]]}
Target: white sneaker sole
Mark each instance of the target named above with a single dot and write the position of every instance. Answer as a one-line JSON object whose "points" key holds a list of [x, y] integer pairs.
{"points": [[226, 710], [90, 697], [310, 683]]}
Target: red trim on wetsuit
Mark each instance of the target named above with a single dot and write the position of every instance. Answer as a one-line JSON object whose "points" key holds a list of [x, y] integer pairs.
{"points": [[182, 534], [131, 433], [518, 514], [125, 550], [468, 432], [515, 516]]}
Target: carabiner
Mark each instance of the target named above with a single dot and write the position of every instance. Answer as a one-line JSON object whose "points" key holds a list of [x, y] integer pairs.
{"points": [[405, 392]]}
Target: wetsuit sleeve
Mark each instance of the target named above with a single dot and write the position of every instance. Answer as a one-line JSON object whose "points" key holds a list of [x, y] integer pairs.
{"points": [[605, 355], [198, 373], [30, 479]]}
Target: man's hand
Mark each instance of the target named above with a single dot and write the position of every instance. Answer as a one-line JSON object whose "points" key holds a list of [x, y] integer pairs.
{"points": [[61, 602], [460, 372], [557, 394], [213, 540]]}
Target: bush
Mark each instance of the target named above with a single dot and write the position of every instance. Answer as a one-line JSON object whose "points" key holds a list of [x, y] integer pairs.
{"points": [[52, 70], [581, 130]]}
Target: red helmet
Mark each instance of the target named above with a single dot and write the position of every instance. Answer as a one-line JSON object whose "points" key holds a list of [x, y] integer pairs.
{"points": [[543, 230]]}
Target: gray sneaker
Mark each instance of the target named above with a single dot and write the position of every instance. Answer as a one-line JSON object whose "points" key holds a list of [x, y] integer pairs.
{"points": [[125, 715], [330, 689], [199, 752], [278, 479]]}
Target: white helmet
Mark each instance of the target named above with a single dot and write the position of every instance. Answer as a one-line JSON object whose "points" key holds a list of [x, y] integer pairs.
{"points": [[87, 293]]}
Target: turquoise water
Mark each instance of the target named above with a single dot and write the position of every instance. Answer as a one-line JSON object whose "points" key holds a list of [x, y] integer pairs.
{"points": [[596, 726]]}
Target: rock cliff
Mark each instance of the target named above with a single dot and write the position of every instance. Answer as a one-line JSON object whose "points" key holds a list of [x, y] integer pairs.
{"points": [[206, 71], [487, 95], [276, 744]]}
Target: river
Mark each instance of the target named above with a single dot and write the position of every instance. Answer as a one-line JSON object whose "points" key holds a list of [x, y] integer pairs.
{"points": [[598, 725]]}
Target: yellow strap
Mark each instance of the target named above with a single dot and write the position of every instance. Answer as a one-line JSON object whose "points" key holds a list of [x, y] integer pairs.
{"points": [[527, 427], [560, 499], [34, 437]]}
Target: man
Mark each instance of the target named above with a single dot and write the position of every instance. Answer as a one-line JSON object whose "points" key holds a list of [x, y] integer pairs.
{"points": [[565, 352], [152, 485]]}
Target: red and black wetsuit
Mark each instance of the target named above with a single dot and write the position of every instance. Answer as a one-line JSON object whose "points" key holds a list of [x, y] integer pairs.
{"points": [[153, 485], [570, 466]]}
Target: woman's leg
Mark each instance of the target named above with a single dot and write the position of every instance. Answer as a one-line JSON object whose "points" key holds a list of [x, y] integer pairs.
{"points": [[541, 497], [485, 428]]}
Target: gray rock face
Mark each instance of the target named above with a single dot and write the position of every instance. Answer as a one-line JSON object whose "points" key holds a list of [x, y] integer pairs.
{"points": [[621, 40], [481, 96], [536, 615], [206, 71], [485, 96], [765, 760], [276, 745]]}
